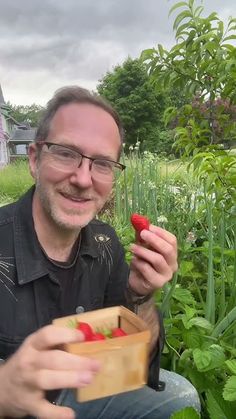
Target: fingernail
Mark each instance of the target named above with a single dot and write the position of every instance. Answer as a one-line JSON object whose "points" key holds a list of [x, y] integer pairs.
{"points": [[85, 378], [143, 234]]}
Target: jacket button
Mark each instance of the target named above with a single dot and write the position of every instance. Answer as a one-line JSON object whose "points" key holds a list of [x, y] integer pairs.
{"points": [[79, 309]]}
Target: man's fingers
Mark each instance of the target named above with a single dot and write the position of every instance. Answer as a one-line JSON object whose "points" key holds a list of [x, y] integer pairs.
{"points": [[164, 234], [159, 259], [61, 360], [50, 380], [147, 272], [52, 336], [46, 410], [159, 246]]}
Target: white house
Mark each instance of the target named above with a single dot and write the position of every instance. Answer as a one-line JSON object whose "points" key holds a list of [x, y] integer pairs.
{"points": [[4, 136], [14, 136]]}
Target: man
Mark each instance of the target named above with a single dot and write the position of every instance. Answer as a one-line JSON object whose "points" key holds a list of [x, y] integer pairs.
{"points": [[58, 259]]}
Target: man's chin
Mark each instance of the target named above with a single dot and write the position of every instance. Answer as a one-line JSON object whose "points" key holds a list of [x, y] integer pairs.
{"points": [[73, 222]]}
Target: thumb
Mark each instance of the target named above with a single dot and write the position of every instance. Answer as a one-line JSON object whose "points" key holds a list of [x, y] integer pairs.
{"points": [[46, 410]]}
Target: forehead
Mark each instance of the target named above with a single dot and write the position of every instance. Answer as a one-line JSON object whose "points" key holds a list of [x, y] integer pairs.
{"points": [[83, 120]]}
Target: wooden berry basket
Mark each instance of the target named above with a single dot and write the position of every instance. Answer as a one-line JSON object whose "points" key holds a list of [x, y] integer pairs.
{"points": [[124, 359]]}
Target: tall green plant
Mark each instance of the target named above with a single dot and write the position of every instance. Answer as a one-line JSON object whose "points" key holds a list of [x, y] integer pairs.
{"points": [[202, 64]]}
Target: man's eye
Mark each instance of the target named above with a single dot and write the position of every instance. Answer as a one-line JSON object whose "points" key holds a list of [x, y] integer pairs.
{"points": [[103, 165], [65, 154]]}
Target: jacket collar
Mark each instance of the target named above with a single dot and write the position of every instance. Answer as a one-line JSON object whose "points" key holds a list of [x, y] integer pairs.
{"points": [[30, 261]]}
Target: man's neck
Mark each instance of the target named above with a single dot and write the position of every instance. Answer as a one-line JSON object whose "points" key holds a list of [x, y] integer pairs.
{"points": [[56, 242]]}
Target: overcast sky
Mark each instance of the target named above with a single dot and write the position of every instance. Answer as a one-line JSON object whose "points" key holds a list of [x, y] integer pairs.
{"points": [[46, 44]]}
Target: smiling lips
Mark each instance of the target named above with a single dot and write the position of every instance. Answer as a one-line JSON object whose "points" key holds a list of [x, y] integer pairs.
{"points": [[76, 198]]}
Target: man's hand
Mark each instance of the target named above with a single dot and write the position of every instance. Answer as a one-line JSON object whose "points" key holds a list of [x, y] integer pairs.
{"points": [[154, 263], [38, 366]]}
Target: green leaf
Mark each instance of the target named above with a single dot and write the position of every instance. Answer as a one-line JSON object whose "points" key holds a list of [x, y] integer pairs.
{"points": [[192, 338], [186, 267], [181, 17], [190, 312], [184, 296], [176, 6], [225, 323], [221, 27], [228, 46], [186, 413], [202, 359], [198, 11], [231, 364], [161, 50], [210, 46], [212, 16], [147, 54], [230, 37], [200, 322], [232, 21], [229, 392], [214, 406], [209, 359], [181, 30]]}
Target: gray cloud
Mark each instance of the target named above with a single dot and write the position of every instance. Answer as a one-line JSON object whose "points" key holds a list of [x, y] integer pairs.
{"points": [[52, 43]]}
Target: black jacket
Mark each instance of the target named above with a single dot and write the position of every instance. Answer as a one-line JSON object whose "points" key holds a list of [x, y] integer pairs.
{"points": [[30, 294]]}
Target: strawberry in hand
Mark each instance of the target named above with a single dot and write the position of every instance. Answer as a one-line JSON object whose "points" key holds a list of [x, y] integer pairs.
{"points": [[139, 222]]}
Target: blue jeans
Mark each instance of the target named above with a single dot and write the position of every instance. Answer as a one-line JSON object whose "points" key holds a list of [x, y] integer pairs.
{"points": [[138, 404]]}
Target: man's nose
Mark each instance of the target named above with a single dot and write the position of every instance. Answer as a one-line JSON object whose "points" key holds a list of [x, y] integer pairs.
{"points": [[82, 175]]}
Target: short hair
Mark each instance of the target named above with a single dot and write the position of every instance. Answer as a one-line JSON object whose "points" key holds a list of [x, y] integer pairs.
{"points": [[74, 94]]}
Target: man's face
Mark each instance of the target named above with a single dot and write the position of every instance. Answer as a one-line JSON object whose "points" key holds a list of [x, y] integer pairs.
{"points": [[72, 200]]}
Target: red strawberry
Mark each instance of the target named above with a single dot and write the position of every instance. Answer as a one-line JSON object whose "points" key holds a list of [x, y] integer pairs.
{"points": [[139, 223], [86, 329], [98, 336], [118, 332]]}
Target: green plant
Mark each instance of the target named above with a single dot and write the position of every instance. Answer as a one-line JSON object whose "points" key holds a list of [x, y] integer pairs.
{"points": [[199, 303], [202, 65], [14, 181]]}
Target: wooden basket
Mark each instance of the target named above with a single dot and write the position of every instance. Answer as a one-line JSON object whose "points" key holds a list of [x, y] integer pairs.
{"points": [[124, 359]]}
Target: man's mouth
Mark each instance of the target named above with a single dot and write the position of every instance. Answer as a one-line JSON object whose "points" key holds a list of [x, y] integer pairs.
{"points": [[75, 198]]}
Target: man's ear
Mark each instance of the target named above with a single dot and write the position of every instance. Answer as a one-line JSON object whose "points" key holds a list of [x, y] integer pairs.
{"points": [[33, 159]]}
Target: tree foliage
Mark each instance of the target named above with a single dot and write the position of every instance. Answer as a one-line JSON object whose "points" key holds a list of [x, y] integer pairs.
{"points": [[139, 104], [203, 61], [27, 114], [202, 65]]}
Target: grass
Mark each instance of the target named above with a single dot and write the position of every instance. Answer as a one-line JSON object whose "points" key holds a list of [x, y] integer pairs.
{"points": [[15, 179]]}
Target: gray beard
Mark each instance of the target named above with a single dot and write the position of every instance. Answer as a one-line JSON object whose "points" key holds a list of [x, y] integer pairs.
{"points": [[49, 210]]}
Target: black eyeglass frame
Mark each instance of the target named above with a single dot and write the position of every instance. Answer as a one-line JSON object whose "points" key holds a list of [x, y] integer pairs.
{"points": [[92, 159]]}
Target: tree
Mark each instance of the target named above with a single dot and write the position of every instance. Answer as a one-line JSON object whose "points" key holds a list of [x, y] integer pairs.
{"points": [[28, 114], [139, 105], [203, 65]]}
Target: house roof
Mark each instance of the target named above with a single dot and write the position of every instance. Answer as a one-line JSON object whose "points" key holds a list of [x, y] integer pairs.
{"points": [[23, 135], [2, 101]]}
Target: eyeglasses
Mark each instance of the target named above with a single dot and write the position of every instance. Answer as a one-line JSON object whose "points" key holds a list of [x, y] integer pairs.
{"points": [[67, 160]]}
